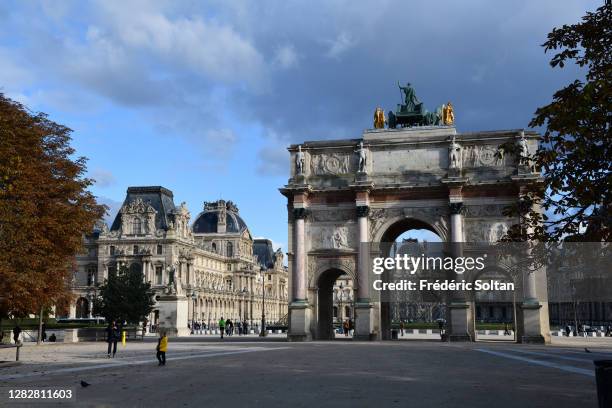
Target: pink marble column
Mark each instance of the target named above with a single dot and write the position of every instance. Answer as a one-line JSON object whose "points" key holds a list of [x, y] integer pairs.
{"points": [[363, 289], [299, 260]]}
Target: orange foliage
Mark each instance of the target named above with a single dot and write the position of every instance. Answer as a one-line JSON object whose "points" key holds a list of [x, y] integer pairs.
{"points": [[45, 209]]}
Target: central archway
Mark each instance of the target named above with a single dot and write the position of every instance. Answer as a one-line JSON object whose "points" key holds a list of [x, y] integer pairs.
{"points": [[400, 232]]}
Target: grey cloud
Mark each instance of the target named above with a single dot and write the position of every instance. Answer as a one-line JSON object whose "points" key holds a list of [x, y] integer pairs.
{"points": [[103, 178], [340, 45], [286, 57], [113, 208], [273, 161], [194, 68], [487, 61]]}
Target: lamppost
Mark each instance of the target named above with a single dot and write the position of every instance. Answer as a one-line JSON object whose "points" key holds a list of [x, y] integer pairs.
{"points": [[263, 332], [243, 292], [194, 297], [340, 299], [575, 302]]}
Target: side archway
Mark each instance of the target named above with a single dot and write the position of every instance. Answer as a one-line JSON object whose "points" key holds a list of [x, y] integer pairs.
{"points": [[325, 302], [492, 308]]}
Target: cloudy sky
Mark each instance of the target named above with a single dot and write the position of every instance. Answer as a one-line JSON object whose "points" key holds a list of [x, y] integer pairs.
{"points": [[204, 97]]}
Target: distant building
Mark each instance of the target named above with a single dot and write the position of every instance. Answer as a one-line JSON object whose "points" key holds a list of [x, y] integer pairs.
{"points": [[215, 263]]}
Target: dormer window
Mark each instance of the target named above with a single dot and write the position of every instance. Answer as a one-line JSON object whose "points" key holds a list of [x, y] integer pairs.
{"points": [[136, 226]]}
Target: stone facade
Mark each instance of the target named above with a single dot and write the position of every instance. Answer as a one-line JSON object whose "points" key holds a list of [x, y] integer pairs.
{"points": [[351, 193], [212, 262]]}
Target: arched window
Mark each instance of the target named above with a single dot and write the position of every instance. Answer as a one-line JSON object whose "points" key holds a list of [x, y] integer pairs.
{"points": [[136, 226], [230, 249]]}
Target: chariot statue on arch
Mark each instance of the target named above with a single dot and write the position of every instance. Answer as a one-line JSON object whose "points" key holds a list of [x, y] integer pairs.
{"points": [[412, 112]]}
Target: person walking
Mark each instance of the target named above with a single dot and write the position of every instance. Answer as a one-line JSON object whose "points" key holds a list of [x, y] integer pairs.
{"points": [[245, 327], [351, 327], [345, 328], [16, 333], [229, 325], [402, 326], [43, 332], [162, 347], [112, 336], [506, 330], [221, 326]]}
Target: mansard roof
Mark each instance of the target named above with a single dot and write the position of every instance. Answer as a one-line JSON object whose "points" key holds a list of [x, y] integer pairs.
{"points": [[206, 222], [264, 251], [159, 198]]}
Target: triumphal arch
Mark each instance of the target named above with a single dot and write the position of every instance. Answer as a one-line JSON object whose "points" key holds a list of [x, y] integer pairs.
{"points": [[345, 195]]}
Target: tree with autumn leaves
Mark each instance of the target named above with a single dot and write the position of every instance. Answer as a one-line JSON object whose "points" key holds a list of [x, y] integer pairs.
{"points": [[575, 152], [45, 210]]}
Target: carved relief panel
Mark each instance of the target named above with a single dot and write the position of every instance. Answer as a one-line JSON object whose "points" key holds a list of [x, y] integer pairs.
{"points": [[485, 231], [483, 156], [332, 237], [330, 164]]}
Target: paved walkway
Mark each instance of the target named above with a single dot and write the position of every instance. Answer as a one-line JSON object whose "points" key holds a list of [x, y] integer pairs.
{"points": [[252, 372]]}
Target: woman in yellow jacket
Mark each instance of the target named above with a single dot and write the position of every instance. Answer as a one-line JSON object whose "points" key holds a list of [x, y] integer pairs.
{"points": [[162, 347]]}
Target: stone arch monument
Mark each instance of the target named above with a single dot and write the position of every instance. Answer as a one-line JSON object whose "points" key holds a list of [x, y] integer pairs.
{"points": [[343, 193]]}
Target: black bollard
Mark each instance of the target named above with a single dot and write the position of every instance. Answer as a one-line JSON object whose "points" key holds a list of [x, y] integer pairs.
{"points": [[603, 375]]}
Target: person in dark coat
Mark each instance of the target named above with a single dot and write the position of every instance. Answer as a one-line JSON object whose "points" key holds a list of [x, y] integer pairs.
{"points": [[112, 336], [16, 333], [43, 333]]}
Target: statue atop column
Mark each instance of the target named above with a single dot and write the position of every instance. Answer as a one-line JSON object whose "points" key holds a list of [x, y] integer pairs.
{"points": [[454, 155], [362, 155], [299, 162], [525, 158], [523, 148]]}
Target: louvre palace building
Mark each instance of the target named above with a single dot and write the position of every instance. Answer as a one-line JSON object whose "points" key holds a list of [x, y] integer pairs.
{"points": [[200, 272]]}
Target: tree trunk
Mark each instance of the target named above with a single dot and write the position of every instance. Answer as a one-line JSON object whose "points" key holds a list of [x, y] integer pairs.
{"points": [[40, 321]]}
